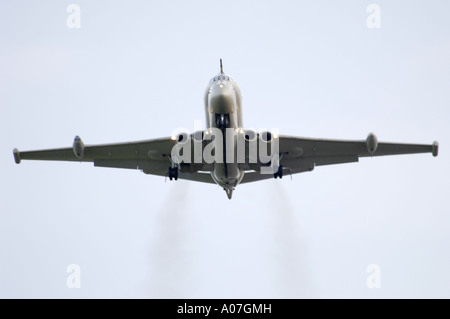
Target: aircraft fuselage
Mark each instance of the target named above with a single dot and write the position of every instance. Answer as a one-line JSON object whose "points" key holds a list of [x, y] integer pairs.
{"points": [[223, 105]]}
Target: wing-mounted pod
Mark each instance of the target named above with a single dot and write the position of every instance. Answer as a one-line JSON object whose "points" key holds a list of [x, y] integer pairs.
{"points": [[371, 143], [198, 136], [78, 147], [250, 135], [268, 153], [269, 139], [181, 150], [265, 137]]}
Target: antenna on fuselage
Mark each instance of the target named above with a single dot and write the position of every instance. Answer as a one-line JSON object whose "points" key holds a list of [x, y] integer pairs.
{"points": [[221, 67]]}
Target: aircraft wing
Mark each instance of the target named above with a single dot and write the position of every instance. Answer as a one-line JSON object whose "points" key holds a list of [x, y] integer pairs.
{"points": [[158, 149], [151, 156], [299, 154], [324, 151]]}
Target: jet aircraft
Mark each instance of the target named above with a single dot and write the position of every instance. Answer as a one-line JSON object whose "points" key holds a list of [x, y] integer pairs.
{"points": [[225, 153]]}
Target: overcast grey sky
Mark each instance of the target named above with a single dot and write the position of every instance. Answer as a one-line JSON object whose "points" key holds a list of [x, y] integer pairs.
{"points": [[138, 69]]}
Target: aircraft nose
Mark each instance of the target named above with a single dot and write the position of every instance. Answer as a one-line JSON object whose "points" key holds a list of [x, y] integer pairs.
{"points": [[223, 92], [222, 97]]}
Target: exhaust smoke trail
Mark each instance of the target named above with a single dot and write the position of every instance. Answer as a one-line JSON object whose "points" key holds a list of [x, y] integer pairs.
{"points": [[169, 255], [289, 257]]}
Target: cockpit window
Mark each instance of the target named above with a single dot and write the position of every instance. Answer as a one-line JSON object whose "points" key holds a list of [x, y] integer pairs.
{"points": [[221, 78]]}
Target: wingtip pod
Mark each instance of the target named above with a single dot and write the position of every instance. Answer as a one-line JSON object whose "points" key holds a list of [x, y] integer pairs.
{"points": [[16, 155], [435, 148]]}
